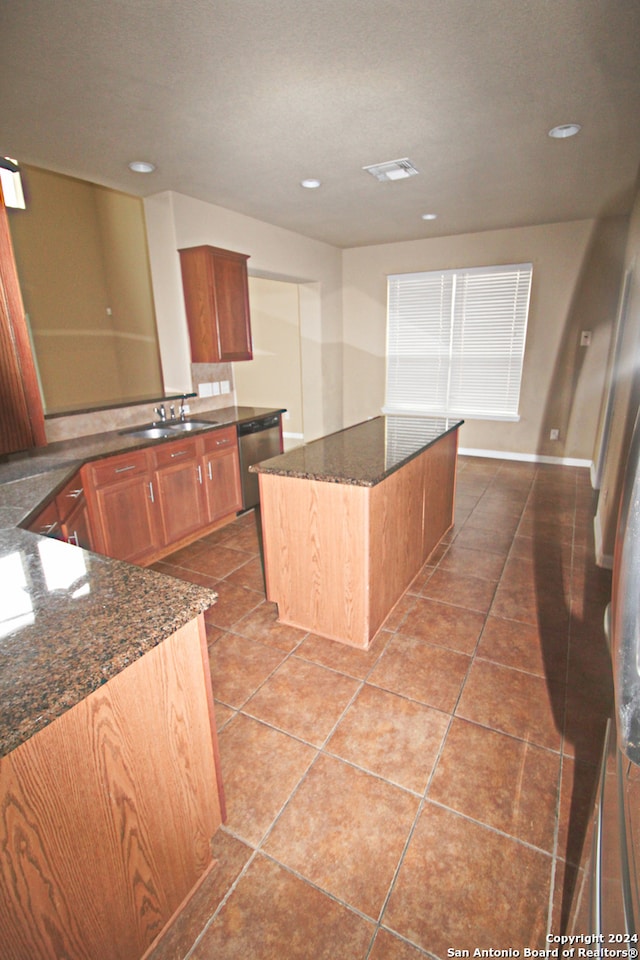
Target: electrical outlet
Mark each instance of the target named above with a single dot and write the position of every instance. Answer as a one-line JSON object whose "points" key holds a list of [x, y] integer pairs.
{"points": [[554, 435], [585, 338]]}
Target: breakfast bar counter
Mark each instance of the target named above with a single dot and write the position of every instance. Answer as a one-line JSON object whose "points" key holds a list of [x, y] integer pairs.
{"points": [[348, 521]]}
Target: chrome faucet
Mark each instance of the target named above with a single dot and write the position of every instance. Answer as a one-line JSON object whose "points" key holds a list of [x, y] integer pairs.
{"points": [[182, 410], [162, 413]]}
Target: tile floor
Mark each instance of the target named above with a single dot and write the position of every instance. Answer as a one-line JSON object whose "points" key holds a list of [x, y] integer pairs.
{"points": [[430, 794]]}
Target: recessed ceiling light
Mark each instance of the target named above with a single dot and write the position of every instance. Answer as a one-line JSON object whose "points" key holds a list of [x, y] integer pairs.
{"points": [[392, 170], [565, 130], [310, 184], [429, 216], [142, 166]]}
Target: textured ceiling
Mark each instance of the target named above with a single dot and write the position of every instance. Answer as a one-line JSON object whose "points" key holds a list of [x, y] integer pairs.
{"points": [[237, 101]]}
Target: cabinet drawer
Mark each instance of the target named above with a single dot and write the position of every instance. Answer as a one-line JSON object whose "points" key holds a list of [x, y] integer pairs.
{"points": [[169, 453], [47, 523], [69, 496], [117, 468], [219, 440]]}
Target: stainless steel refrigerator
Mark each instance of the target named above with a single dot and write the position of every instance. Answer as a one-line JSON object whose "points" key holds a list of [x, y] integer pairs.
{"points": [[613, 863]]}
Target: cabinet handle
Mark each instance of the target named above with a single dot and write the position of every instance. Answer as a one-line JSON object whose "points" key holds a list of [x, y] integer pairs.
{"points": [[179, 453], [209, 470], [74, 494], [48, 528], [151, 497], [124, 469], [73, 538], [199, 474], [222, 443]]}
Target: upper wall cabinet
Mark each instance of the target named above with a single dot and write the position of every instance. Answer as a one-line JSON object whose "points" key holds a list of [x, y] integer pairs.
{"points": [[216, 296]]}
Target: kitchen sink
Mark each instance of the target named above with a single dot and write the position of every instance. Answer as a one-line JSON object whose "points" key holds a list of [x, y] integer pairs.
{"points": [[152, 432], [184, 426], [160, 431]]}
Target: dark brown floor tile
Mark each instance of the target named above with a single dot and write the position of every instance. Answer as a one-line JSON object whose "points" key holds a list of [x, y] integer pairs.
{"points": [[503, 782], [521, 645], [345, 831], [223, 714], [233, 604], [399, 612], [389, 947], [230, 856], [260, 768], [339, 656], [531, 595], [575, 814], [491, 541], [262, 624], [443, 625], [461, 590], [303, 699], [513, 702], [465, 885], [273, 915], [420, 671], [250, 574], [239, 666], [469, 562], [218, 561], [391, 737], [241, 535]]}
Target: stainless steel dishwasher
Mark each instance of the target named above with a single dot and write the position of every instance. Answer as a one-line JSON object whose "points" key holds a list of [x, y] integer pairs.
{"points": [[258, 439]]}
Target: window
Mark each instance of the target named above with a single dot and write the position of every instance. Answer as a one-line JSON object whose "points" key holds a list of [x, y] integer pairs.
{"points": [[455, 341]]}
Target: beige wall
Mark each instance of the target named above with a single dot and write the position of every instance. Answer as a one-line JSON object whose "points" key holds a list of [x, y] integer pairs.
{"points": [[175, 221], [274, 377], [576, 272]]}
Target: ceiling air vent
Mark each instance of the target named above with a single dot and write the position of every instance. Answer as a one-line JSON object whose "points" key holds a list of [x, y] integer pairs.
{"points": [[392, 170]]}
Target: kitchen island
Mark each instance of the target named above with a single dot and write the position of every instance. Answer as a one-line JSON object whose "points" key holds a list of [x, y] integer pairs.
{"points": [[349, 520]]}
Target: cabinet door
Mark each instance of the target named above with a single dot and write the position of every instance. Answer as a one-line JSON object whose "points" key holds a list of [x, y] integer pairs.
{"points": [[221, 474], [76, 528], [21, 413], [121, 504], [216, 296], [178, 482]]}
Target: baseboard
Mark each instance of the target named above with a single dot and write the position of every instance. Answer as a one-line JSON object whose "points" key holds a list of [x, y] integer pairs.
{"points": [[602, 559], [525, 457]]}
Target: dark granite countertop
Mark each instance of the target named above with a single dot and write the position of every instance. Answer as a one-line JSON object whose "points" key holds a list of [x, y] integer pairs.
{"points": [[71, 619], [363, 454]]}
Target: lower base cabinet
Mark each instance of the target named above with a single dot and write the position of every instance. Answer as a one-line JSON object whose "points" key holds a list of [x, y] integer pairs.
{"points": [[108, 812]]}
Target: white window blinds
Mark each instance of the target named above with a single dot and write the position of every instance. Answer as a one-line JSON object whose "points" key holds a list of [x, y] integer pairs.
{"points": [[455, 341]]}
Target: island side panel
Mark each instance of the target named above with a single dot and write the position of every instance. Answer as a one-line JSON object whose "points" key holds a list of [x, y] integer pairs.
{"points": [[440, 463], [108, 812], [396, 538], [315, 537]]}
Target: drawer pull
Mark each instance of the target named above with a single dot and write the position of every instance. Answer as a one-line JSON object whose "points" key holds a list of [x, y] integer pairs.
{"points": [[48, 528], [179, 453], [74, 494], [151, 496], [124, 469]]}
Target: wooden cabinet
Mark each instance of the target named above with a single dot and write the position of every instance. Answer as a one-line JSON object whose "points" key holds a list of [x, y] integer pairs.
{"points": [[73, 515], [216, 296], [221, 474], [141, 505], [121, 500], [21, 413], [66, 516], [177, 479]]}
